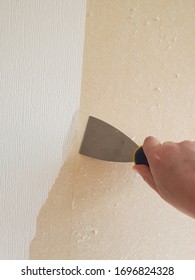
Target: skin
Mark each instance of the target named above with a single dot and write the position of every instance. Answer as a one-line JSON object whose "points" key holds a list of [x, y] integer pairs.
{"points": [[171, 172]]}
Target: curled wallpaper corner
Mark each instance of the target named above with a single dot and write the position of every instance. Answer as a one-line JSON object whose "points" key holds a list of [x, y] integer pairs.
{"points": [[70, 136]]}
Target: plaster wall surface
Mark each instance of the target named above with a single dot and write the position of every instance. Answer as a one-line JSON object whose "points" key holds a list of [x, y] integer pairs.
{"points": [[138, 75], [41, 50]]}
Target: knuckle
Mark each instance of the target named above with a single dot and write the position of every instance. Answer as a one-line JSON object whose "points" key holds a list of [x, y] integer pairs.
{"points": [[168, 144], [169, 147], [148, 139], [154, 159], [187, 143]]}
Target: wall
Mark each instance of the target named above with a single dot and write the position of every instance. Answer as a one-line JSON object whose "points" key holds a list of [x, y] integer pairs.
{"points": [[41, 48], [138, 75]]}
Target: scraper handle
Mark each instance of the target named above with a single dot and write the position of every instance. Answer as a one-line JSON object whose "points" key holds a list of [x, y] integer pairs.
{"points": [[140, 157]]}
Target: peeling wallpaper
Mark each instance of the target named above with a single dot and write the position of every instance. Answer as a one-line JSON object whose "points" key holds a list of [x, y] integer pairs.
{"points": [[41, 49]]}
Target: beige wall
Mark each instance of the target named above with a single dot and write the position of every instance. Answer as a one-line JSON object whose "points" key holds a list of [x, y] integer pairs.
{"points": [[138, 75]]}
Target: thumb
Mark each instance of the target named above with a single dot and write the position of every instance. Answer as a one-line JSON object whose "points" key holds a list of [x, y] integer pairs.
{"points": [[146, 174]]}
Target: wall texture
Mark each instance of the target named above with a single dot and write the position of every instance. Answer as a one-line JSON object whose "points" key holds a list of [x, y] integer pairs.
{"points": [[41, 48], [138, 75]]}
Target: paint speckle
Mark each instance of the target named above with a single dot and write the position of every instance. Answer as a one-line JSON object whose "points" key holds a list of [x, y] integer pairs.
{"points": [[147, 23], [73, 204], [157, 18], [154, 107], [94, 231], [174, 39], [177, 75], [85, 234], [132, 11], [89, 14], [158, 89]]}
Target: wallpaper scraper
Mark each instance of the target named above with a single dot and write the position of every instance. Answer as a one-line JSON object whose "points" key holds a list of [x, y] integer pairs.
{"points": [[105, 142]]}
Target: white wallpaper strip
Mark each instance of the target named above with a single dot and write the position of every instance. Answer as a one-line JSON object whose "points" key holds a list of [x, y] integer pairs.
{"points": [[41, 48]]}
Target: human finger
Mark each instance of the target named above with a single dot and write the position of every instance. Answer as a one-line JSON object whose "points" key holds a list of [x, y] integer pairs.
{"points": [[150, 144], [145, 173]]}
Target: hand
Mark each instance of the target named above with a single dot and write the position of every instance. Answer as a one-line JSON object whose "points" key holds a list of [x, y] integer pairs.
{"points": [[171, 172]]}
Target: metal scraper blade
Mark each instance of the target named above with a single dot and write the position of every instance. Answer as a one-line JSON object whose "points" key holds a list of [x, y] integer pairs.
{"points": [[105, 142]]}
